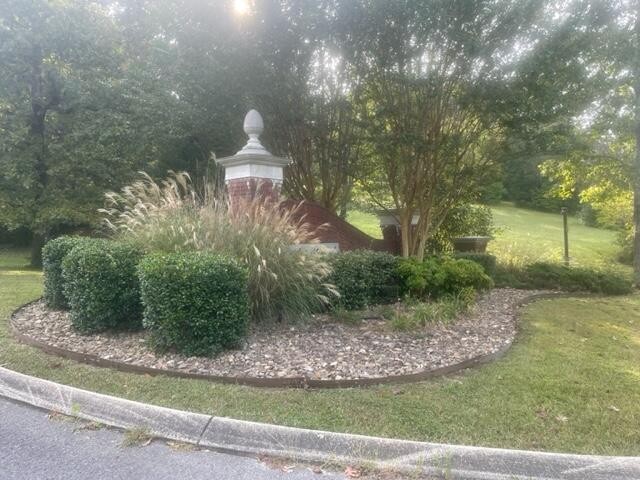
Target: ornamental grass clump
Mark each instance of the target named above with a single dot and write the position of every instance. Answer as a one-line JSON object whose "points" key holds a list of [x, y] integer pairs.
{"points": [[170, 216]]}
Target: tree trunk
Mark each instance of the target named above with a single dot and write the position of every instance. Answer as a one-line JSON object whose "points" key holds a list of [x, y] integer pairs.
{"points": [[37, 242], [636, 166], [37, 133], [405, 233], [345, 197]]}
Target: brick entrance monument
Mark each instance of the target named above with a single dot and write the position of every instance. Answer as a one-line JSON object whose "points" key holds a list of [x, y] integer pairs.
{"points": [[255, 171]]}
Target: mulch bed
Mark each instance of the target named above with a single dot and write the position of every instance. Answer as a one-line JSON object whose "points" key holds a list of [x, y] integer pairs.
{"points": [[319, 349]]}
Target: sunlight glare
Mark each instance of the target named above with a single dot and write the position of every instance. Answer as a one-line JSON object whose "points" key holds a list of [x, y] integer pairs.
{"points": [[241, 7]]}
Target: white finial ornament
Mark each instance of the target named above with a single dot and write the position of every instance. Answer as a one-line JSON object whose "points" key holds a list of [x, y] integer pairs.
{"points": [[253, 162], [253, 127]]}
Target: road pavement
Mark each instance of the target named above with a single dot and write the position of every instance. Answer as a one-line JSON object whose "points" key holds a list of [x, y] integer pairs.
{"points": [[37, 446]]}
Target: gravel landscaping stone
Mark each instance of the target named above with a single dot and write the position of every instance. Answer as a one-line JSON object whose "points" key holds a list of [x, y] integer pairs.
{"points": [[320, 349]]}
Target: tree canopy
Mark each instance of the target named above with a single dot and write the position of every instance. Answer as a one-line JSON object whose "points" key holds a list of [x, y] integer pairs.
{"points": [[414, 106]]}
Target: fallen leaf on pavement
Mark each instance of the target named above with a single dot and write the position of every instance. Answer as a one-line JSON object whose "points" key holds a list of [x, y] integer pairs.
{"points": [[352, 472]]}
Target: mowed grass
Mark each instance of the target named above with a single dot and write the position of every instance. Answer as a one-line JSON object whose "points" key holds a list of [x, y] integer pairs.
{"points": [[365, 221], [525, 236], [571, 383]]}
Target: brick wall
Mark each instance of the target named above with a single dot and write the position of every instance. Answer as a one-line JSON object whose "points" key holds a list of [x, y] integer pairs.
{"points": [[330, 227], [333, 229], [248, 188]]}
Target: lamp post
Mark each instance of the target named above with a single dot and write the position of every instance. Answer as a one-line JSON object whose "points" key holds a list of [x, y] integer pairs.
{"points": [[565, 224]]}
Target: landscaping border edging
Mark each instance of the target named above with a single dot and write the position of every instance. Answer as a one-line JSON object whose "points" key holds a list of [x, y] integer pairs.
{"points": [[277, 382], [250, 438]]}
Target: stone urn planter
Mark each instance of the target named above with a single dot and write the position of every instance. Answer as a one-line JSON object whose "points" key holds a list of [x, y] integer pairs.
{"points": [[477, 244]]}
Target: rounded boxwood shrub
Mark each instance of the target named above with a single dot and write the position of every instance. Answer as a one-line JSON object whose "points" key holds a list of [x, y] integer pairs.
{"points": [[101, 285], [485, 260], [52, 255], [363, 278], [195, 303], [461, 274]]}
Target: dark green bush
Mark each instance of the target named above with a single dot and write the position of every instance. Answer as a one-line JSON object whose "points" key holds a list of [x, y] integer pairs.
{"points": [[436, 276], [196, 303], [556, 276], [421, 279], [101, 285], [464, 220], [462, 274], [485, 260], [364, 278], [52, 255]]}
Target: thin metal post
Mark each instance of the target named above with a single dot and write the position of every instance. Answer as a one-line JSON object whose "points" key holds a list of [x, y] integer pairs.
{"points": [[564, 211]]}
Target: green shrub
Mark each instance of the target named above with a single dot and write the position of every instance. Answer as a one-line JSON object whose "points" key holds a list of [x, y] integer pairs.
{"points": [[364, 278], [52, 255], [421, 279], [556, 276], [464, 220], [196, 303], [101, 285], [461, 274], [485, 260], [435, 276]]}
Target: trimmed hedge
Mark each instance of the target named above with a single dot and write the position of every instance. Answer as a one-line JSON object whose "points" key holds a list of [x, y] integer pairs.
{"points": [[52, 255], [195, 303], [363, 278], [556, 276], [437, 276], [485, 260], [101, 285]]}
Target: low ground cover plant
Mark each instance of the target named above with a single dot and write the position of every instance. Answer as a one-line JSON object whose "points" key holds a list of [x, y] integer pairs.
{"points": [[52, 255], [196, 303], [101, 285], [417, 315], [556, 276], [364, 278]]}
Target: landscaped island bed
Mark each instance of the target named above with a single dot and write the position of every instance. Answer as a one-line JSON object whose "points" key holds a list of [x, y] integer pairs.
{"points": [[319, 350], [568, 383]]}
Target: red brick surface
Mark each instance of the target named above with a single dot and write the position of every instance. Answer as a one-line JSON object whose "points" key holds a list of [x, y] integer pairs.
{"points": [[249, 188], [330, 227], [333, 229]]}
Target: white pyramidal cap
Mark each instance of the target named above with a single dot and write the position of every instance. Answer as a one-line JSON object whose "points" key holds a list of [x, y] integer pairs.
{"points": [[253, 127]]}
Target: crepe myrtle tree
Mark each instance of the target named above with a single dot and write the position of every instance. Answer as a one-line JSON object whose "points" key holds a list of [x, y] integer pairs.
{"points": [[430, 78]]}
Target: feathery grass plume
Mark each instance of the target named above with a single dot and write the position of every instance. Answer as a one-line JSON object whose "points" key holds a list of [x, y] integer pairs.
{"points": [[171, 217]]}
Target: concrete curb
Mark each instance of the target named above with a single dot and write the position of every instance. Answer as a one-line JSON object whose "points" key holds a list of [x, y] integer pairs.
{"points": [[243, 437]]}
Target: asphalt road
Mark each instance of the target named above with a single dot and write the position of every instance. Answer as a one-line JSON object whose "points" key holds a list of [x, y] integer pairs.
{"points": [[36, 447]]}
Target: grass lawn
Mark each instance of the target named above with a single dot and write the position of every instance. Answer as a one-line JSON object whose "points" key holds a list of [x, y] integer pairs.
{"points": [[571, 383], [365, 221], [528, 235]]}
